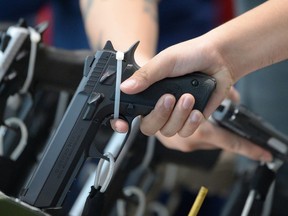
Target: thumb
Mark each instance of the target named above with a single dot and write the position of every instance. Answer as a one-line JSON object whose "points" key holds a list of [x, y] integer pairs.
{"points": [[158, 68]]}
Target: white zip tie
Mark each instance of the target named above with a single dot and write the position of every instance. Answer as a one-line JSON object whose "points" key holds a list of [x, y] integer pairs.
{"points": [[248, 203], [119, 57], [23, 140], [109, 174], [2, 133], [18, 35], [35, 37], [129, 191]]}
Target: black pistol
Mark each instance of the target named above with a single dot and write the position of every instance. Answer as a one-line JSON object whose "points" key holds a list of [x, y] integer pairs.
{"points": [[240, 120], [91, 106]]}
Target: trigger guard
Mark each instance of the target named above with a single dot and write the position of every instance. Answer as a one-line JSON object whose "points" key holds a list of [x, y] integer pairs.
{"points": [[107, 136]]}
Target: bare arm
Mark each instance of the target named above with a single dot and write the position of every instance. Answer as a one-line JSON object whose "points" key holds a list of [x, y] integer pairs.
{"points": [[124, 23], [254, 40], [251, 41]]}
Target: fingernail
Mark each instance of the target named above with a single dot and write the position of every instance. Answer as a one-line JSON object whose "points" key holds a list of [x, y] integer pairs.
{"points": [[187, 103], [195, 117], [168, 102], [130, 83], [119, 130]]}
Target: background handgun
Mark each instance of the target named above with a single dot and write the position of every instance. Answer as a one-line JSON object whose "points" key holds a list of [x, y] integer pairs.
{"points": [[91, 106], [57, 73], [240, 120]]}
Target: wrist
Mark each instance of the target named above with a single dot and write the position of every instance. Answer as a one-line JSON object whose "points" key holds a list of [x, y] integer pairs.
{"points": [[219, 61]]}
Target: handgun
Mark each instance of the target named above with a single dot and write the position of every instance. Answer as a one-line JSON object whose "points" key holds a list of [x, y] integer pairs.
{"points": [[240, 120], [15, 59], [92, 106]]}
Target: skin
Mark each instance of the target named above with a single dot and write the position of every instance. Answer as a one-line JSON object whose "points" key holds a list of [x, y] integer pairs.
{"points": [[104, 20], [247, 43], [228, 52]]}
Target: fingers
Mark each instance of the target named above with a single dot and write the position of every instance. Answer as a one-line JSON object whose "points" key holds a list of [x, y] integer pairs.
{"points": [[246, 148], [158, 116], [231, 142], [170, 118], [156, 69], [209, 136], [119, 125], [184, 144]]}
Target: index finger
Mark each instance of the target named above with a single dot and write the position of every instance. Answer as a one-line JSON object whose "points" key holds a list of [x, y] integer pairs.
{"points": [[158, 68], [155, 70]]}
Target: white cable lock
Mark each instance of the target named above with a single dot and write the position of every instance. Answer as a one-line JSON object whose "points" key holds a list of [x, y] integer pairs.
{"points": [[120, 58], [2, 133], [248, 203], [129, 191], [35, 37], [23, 140], [109, 174]]}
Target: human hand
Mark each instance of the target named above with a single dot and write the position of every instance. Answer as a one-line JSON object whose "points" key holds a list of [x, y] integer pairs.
{"points": [[168, 116], [209, 136]]}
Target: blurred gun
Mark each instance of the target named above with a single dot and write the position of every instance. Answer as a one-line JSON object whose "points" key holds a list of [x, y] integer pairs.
{"points": [[240, 120], [29, 71], [92, 106], [40, 66]]}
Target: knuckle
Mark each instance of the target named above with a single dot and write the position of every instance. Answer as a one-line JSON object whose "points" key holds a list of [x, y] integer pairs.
{"points": [[185, 133], [167, 132], [146, 131], [143, 75]]}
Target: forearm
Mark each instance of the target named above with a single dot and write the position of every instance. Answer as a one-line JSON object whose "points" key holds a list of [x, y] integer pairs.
{"points": [[255, 39], [123, 22]]}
